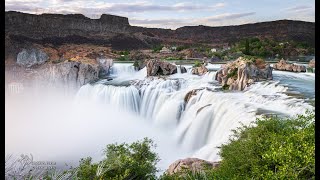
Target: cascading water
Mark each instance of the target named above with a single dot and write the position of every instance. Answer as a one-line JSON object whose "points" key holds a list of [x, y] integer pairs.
{"points": [[206, 120], [112, 111]]}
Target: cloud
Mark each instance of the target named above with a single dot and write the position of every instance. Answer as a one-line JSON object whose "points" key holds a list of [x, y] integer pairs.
{"points": [[94, 7], [228, 16], [217, 20], [299, 8], [301, 12]]}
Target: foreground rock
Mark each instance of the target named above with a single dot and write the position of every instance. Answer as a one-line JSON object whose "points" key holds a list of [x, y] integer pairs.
{"points": [[199, 70], [157, 67], [242, 72], [312, 63], [284, 66], [193, 164]]}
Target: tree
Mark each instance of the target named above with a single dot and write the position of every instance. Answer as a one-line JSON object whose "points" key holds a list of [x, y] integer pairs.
{"points": [[122, 161]]}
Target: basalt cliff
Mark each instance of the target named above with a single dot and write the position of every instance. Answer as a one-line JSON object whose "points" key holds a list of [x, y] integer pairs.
{"points": [[34, 41], [116, 32]]}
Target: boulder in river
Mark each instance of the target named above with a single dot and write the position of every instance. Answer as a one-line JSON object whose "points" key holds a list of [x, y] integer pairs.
{"points": [[238, 74], [157, 67], [283, 65], [199, 70]]}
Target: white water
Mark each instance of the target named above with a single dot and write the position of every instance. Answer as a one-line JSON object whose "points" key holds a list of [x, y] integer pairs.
{"points": [[102, 114], [207, 119]]}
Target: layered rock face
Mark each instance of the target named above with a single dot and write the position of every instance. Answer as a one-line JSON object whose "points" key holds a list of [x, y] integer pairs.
{"points": [[193, 164], [66, 74], [241, 73], [157, 67], [284, 66]]}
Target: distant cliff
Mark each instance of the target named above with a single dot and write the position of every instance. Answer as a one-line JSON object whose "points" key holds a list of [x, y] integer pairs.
{"points": [[116, 32]]}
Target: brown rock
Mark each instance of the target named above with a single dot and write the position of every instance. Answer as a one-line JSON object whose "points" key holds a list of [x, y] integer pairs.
{"points": [[193, 164], [282, 65], [199, 70], [247, 72], [157, 67]]}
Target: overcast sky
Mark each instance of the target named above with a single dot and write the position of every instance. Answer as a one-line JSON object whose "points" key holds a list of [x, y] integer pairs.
{"points": [[176, 13]]}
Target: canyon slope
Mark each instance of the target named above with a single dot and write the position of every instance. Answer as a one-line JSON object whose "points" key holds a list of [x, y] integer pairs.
{"points": [[116, 32]]}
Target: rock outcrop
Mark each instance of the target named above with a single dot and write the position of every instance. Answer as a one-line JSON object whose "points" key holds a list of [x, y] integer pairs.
{"points": [[312, 63], [242, 72], [199, 70], [193, 164], [105, 64], [31, 57], [282, 65], [69, 74], [157, 67]]}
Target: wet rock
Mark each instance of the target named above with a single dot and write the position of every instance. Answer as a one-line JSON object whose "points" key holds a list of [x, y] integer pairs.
{"points": [[188, 96]]}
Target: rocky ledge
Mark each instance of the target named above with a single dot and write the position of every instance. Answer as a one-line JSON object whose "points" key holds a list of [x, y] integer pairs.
{"points": [[193, 164], [238, 74], [283, 65]]}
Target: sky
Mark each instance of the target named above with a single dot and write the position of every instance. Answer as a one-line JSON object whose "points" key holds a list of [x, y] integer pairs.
{"points": [[173, 14]]}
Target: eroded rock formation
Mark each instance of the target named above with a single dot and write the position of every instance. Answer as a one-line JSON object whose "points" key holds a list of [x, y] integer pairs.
{"points": [[157, 67], [242, 72], [285, 66]]}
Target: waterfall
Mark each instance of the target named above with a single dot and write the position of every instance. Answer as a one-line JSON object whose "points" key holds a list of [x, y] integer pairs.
{"points": [[206, 120], [179, 69], [122, 68], [122, 98]]}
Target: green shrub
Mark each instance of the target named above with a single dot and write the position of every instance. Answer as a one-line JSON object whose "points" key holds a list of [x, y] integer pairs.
{"points": [[122, 161], [225, 87], [197, 63], [233, 73], [123, 58], [274, 148], [136, 64], [157, 48]]}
